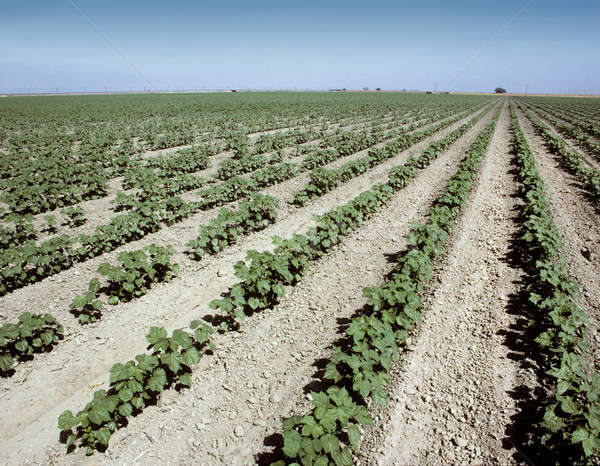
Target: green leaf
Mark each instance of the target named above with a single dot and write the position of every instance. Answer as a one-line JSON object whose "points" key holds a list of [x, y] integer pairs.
{"points": [[125, 409], [156, 334], [6, 362], [118, 372], [185, 379], [291, 443], [580, 435], [191, 356], [158, 380], [568, 405], [98, 416], [103, 436], [71, 440], [66, 421], [182, 338], [354, 436], [125, 394]]}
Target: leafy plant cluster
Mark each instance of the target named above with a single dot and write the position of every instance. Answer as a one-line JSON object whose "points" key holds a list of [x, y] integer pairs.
{"points": [[74, 216], [224, 230], [30, 263], [187, 160], [265, 274], [571, 420], [359, 367], [572, 161], [33, 333], [20, 266], [277, 141], [138, 271], [576, 118], [155, 185], [13, 236], [135, 385], [238, 166], [50, 184]]}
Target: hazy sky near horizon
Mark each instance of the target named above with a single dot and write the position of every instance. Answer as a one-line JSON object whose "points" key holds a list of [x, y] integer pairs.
{"points": [[466, 45]]}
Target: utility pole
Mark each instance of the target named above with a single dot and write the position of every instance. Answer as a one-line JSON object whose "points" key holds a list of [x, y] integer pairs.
{"points": [[526, 89], [436, 85]]}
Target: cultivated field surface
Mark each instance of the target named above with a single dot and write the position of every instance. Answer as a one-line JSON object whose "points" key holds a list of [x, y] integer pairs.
{"points": [[314, 278]]}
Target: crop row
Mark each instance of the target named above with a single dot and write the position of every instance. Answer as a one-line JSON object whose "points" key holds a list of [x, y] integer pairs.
{"points": [[31, 334], [574, 132], [570, 428], [264, 279], [577, 117], [359, 367], [322, 180], [31, 263]]}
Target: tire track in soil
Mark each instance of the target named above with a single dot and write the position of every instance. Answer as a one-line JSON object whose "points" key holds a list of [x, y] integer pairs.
{"points": [[578, 221], [450, 399], [113, 340]]}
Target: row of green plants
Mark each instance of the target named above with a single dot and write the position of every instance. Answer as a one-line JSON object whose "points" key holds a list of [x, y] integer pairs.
{"points": [[33, 333], [570, 130], [156, 185], [576, 118], [23, 230], [137, 272], [49, 185], [321, 180], [358, 370], [91, 428], [225, 229], [570, 425], [572, 161], [188, 160], [264, 275], [31, 262], [135, 384]]}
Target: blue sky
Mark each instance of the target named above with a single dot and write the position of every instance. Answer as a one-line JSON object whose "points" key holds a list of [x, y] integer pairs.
{"points": [[552, 46]]}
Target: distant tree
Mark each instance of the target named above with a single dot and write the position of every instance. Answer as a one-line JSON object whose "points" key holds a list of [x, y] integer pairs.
{"points": [[378, 89], [365, 88], [500, 90]]}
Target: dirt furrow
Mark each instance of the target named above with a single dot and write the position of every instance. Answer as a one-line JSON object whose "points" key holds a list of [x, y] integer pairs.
{"points": [[450, 399], [76, 370]]}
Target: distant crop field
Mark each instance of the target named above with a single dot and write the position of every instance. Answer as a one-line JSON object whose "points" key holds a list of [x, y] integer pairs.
{"points": [[300, 278]]}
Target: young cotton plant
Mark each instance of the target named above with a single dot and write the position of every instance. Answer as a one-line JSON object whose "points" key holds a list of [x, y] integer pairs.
{"points": [[33, 333], [138, 271], [74, 216], [225, 229]]}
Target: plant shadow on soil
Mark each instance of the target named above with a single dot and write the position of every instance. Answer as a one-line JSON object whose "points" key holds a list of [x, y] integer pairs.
{"points": [[522, 433]]}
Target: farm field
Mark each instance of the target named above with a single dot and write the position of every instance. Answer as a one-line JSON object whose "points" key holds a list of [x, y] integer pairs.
{"points": [[300, 277]]}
